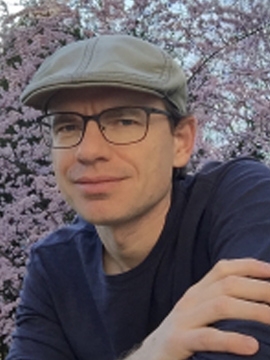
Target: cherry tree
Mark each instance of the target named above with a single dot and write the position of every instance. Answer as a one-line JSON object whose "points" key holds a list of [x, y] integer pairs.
{"points": [[29, 201], [222, 45]]}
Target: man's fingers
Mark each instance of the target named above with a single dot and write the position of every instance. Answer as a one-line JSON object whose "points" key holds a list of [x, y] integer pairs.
{"points": [[182, 345], [239, 267], [225, 273], [233, 286], [210, 339], [224, 308], [243, 288]]}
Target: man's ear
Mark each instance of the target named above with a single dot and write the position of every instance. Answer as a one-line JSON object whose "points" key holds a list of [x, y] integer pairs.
{"points": [[184, 140]]}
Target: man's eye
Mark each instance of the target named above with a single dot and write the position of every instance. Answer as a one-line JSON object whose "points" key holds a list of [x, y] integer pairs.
{"points": [[66, 128], [127, 122], [122, 122]]}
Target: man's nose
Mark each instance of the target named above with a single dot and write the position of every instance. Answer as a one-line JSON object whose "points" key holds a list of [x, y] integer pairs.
{"points": [[93, 146]]}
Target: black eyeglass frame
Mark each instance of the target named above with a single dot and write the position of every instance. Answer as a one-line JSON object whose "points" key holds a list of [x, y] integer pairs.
{"points": [[86, 118]]}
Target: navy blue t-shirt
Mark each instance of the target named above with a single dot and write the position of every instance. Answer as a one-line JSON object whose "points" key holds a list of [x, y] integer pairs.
{"points": [[70, 309]]}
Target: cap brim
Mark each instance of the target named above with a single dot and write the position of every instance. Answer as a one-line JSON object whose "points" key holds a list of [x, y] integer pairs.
{"points": [[39, 98]]}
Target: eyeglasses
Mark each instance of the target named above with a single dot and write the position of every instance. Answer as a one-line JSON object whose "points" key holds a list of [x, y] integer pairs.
{"points": [[119, 126]]}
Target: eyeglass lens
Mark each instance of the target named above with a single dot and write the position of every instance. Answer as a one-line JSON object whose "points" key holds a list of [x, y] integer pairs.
{"points": [[119, 126]]}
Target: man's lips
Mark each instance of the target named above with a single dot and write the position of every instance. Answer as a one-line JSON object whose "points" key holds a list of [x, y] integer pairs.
{"points": [[100, 184], [97, 179]]}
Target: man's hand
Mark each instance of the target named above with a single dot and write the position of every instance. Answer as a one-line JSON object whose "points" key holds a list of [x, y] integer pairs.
{"points": [[233, 289]]}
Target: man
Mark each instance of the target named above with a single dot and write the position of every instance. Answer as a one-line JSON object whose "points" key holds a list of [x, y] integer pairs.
{"points": [[157, 265]]}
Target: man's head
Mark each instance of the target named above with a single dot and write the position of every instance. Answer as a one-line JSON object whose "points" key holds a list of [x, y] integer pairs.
{"points": [[108, 104]]}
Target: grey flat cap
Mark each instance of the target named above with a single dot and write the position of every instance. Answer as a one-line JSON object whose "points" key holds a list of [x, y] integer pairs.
{"points": [[109, 60]]}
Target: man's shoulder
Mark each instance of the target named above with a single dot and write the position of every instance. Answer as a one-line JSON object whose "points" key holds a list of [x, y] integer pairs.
{"points": [[66, 235], [220, 202], [226, 180], [218, 172], [240, 163]]}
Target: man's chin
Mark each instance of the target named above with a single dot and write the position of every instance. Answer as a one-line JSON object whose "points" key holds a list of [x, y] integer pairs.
{"points": [[101, 220]]}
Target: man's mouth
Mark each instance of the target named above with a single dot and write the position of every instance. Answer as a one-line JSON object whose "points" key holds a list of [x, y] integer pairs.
{"points": [[96, 185]]}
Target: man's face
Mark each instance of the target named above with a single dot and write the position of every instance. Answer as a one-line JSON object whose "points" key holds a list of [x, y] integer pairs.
{"points": [[111, 184]]}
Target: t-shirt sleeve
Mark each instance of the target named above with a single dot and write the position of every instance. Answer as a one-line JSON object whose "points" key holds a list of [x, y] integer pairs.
{"points": [[38, 334], [240, 228]]}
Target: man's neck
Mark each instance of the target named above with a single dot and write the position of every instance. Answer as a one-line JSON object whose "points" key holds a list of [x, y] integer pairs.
{"points": [[127, 245]]}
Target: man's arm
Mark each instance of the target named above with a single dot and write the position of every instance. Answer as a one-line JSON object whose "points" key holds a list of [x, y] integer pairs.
{"points": [[232, 289], [38, 334], [57, 318]]}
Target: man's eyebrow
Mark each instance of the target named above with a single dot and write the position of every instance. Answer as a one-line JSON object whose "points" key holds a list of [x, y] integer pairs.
{"points": [[123, 110], [63, 117]]}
